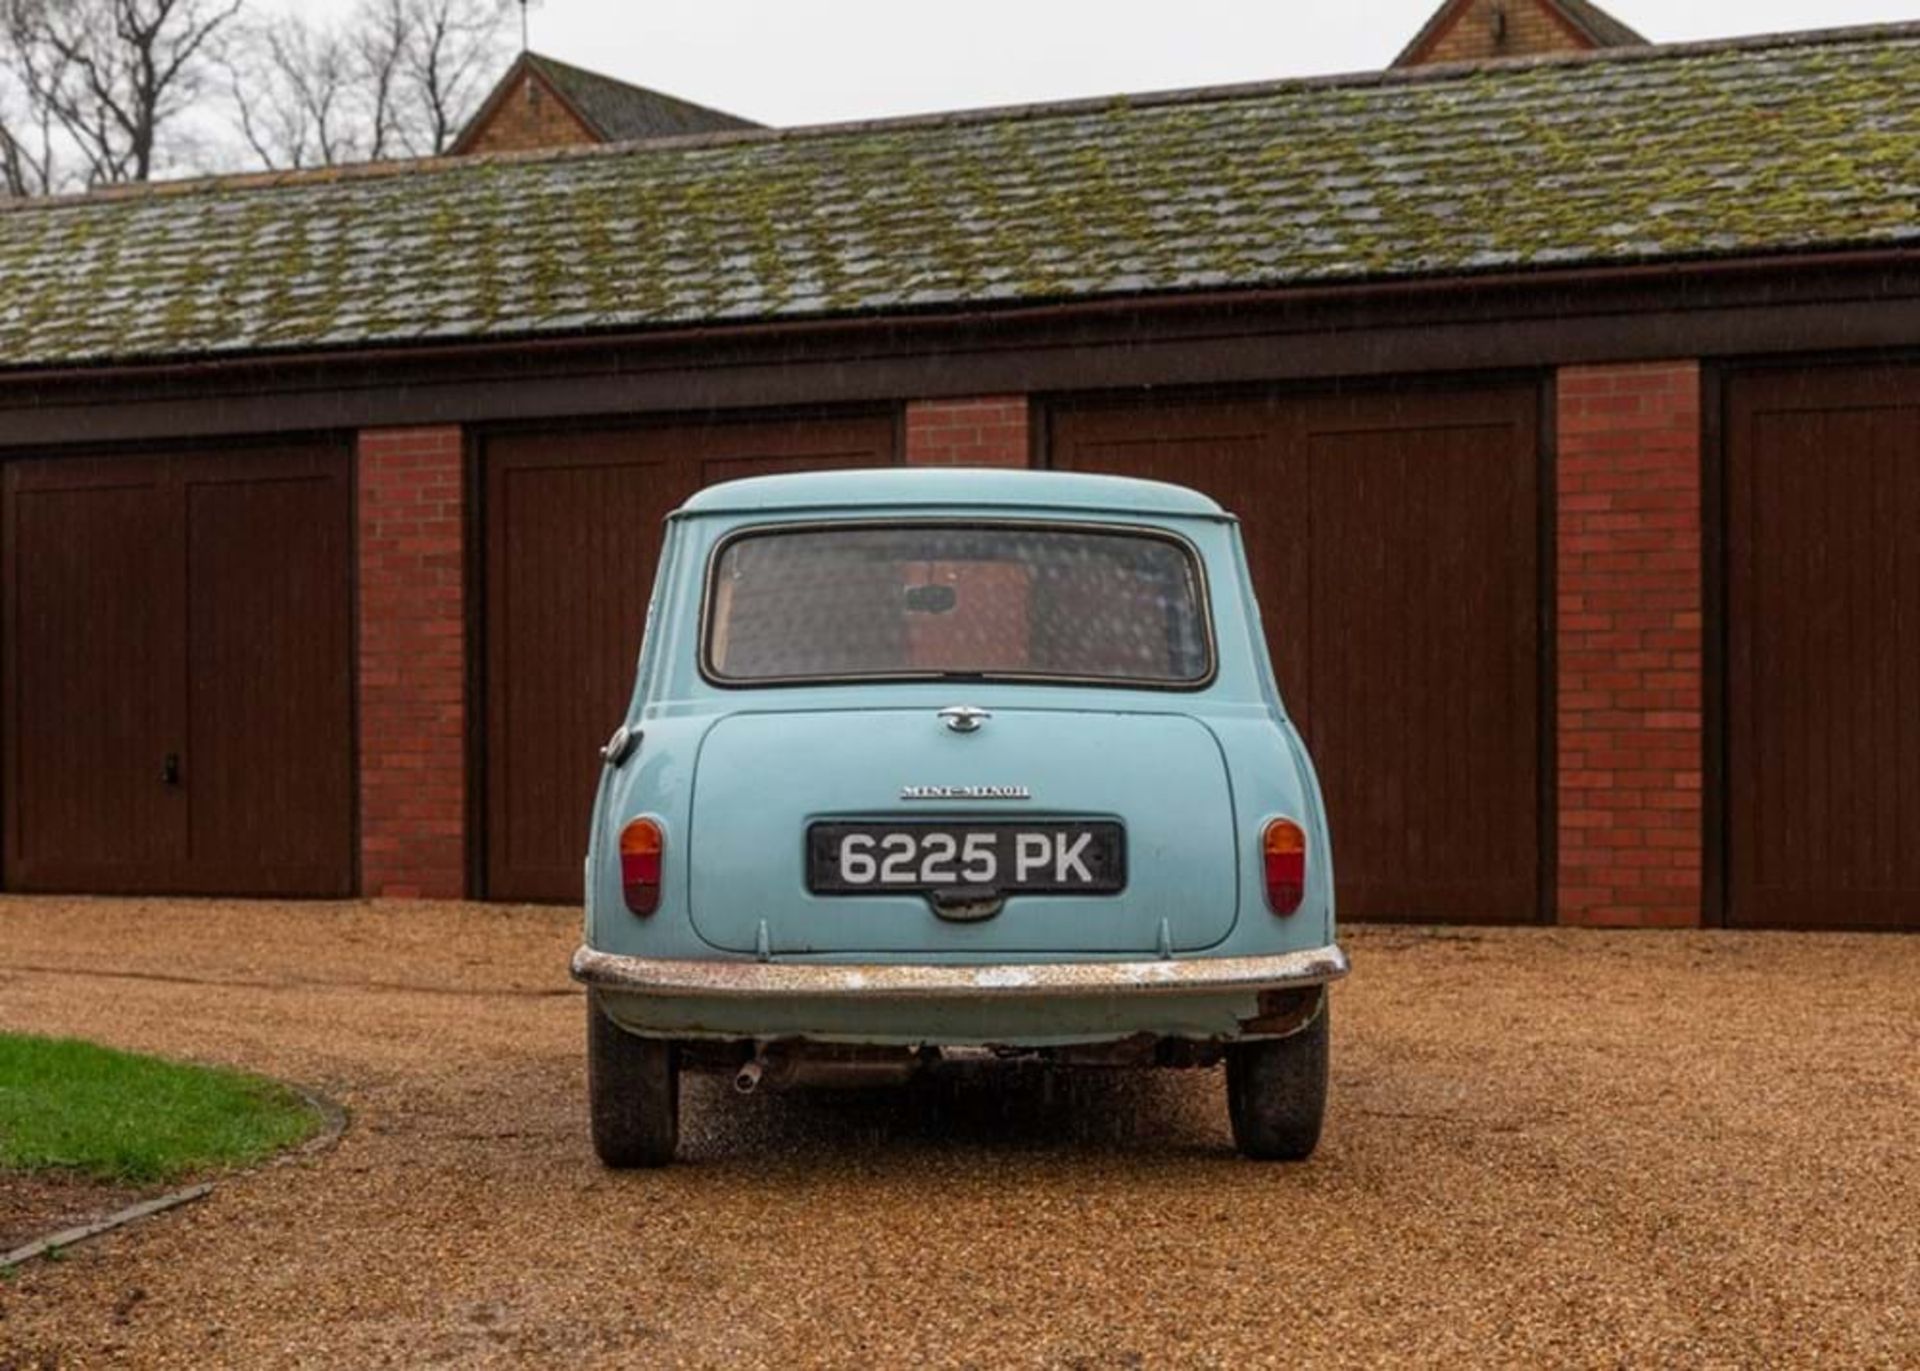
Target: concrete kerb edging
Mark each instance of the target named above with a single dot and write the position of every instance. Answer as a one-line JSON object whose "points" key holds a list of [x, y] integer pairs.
{"points": [[333, 1123]]}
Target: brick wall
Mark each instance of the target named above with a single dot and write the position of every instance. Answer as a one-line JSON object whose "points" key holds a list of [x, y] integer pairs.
{"points": [[1629, 644], [530, 117], [988, 431], [412, 663], [1531, 30]]}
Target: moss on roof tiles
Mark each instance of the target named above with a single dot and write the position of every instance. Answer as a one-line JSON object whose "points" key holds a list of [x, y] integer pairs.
{"points": [[1737, 150]]}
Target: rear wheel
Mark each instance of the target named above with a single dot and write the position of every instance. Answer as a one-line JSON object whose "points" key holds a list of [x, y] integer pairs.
{"points": [[633, 1093], [1277, 1092]]}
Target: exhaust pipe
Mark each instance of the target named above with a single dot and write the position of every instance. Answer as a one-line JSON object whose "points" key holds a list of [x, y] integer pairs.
{"points": [[784, 1068]]}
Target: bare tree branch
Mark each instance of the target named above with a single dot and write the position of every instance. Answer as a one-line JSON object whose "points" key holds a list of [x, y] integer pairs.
{"points": [[295, 96], [111, 77], [26, 134], [379, 42], [454, 50], [99, 91], [399, 77]]}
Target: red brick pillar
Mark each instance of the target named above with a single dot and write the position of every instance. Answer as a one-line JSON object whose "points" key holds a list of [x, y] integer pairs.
{"points": [[1629, 572], [413, 772], [988, 431]]}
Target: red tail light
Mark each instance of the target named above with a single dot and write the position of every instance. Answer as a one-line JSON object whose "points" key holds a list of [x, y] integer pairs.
{"points": [[1284, 849], [640, 844]]}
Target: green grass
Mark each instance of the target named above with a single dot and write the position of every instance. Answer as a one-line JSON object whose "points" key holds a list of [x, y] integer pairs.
{"points": [[118, 1117]]}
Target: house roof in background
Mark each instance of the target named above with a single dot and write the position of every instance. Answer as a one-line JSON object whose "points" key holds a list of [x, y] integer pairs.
{"points": [[622, 112], [1603, 28], [1746, 149], [1600, 28], [614, 111]]}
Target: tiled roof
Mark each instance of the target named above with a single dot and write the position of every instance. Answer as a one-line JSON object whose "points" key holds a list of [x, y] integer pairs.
{"points": [[1600, 26], [620, 112], [1668, 154], [1602, 29]]}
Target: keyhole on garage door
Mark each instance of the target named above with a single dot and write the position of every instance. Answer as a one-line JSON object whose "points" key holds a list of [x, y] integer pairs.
{"points": [[170, 769]]}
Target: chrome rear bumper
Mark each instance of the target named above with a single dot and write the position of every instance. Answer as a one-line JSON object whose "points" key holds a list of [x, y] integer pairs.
{"points": [[1039, 1004], [947, 981]]}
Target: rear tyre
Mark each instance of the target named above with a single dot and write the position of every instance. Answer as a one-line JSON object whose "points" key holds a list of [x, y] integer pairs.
{"points": [[633, 1093], [1277, 1092]]}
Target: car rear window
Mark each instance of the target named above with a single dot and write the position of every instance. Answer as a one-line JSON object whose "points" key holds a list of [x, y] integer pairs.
{"points": [[935, 601]]}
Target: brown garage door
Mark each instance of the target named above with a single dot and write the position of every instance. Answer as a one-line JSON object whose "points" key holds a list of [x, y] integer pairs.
{"points": [[1823, 660], [178, 673], [1394, 544], [573, 533]]}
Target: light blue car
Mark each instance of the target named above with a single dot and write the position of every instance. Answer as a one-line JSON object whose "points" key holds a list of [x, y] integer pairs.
{"points": [[928, 766]]}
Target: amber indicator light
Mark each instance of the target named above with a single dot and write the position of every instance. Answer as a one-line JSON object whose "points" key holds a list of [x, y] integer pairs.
{"points": [[1284, 852], [640, 845]]}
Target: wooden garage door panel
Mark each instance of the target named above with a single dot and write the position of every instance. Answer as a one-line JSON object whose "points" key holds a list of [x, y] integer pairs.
{"points": [[1424, 653], [1393, 541], [574, 527], [270, 715], [574, 550], [90, 677], [1823, 759], [190, 605]]}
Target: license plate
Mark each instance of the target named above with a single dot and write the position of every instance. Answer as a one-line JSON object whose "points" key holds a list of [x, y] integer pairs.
{"points": [[1030, 858]]}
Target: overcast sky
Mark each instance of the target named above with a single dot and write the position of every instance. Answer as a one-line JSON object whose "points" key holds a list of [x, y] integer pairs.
{"points": [[809, 61]]}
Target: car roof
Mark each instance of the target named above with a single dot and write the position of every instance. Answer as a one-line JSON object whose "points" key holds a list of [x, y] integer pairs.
{"points": [[986, 487]]}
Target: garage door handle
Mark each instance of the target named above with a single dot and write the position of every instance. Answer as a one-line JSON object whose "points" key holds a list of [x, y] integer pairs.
{"points": [[170, 769]]}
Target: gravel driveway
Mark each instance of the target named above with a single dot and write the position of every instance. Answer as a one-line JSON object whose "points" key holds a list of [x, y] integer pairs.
{"points": [[1644, 1148]]}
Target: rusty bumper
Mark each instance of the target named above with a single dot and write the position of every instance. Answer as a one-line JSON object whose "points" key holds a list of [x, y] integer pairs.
{"points": [[1033, 1003], [780, 980]]}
